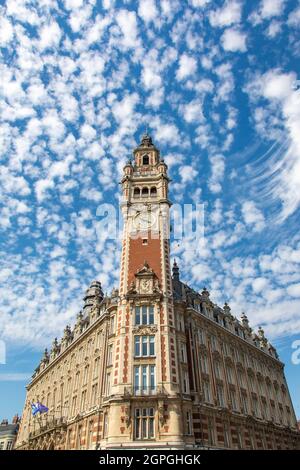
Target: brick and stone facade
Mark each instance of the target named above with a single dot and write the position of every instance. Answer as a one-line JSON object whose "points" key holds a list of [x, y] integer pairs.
{"points": [[157, 364]]}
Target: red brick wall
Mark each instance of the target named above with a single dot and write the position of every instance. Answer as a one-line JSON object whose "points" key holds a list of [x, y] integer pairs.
{"points": [[138, 253]]}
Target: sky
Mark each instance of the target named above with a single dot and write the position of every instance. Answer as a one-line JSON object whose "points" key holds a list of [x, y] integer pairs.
{"points": [[217, 85]]}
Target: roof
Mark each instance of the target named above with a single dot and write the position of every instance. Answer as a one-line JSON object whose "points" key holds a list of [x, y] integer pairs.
{"points": [[9, 429]]}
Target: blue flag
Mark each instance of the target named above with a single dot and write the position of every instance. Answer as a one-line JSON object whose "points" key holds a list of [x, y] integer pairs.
{"points": [[42, 408], [34, 408]]}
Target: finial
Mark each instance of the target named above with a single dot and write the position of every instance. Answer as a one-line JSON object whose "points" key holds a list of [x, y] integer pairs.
{"points": [[175, 270]]}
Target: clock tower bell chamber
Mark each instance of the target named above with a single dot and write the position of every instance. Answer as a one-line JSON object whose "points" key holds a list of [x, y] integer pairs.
{"points": [[145, 392]]}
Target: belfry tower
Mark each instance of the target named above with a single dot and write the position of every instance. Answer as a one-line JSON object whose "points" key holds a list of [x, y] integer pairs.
{"points": [[145, 383]]}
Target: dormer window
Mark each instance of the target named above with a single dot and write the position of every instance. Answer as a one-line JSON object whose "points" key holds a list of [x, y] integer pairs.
{"points": [[146, 160]]}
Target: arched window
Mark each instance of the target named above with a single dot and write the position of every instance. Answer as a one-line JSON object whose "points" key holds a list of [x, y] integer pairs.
{"points": [[136, 192], [146, 160], [153, 191], [145, 191]]}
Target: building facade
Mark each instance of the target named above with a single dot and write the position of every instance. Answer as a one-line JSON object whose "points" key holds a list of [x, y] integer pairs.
{"points": [[8, 433], [157, 364]]}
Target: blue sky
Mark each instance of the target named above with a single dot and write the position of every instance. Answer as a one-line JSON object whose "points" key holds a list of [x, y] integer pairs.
{"points": [[216, 84]]}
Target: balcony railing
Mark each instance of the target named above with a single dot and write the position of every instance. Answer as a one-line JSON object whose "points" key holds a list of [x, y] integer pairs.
{"points": [[145, 391], [49, 425]]}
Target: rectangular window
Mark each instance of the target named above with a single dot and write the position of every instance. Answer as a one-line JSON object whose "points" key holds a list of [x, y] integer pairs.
{"points": [[226, 436], [144, 346], [230, 375], [112, 325], [218, 370], [137, 343], [9, 445], [85, 375], [220, 393], [151, 315], [144, 315], [245, 403], [105, 425], [144, 379], [189, 422], [206, 392], [151, 345], [94, 394], [204, 364], [74, 400], [83, 400], [183, 352], [144, 423], [108, 376], [201, 336], [233, 400], [137, 316], [213, 342], [110, 355], [186, 385]]}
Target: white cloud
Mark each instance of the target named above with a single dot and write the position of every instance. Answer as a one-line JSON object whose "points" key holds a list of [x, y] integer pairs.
{"points": [[128, 24], [73, 4], [147, 10], [282, 169], [229, 14], [267, 9], [199, 3], [259, 284], [187, 67], [6, 31], [217, 173], [253, 216], [234, 40], [294, 290], [294, 18], [192, 112], [187, 173], [50, 36], [270, 8], [167, 134]]}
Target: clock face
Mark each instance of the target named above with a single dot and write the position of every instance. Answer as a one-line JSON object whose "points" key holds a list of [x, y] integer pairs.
{"points": [[144, 220]]}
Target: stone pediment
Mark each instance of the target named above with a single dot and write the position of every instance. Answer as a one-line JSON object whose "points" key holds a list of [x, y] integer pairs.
{"points": [[146, 282]]}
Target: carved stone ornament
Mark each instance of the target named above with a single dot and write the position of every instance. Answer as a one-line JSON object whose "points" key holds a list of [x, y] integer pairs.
{"points": [[145, 329]]}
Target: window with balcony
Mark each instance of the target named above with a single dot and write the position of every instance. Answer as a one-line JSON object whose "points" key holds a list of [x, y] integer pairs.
{"points": [[144, 315], [136, 192], [144, 423], [144, 346], [144, 379], [153, 191]]}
